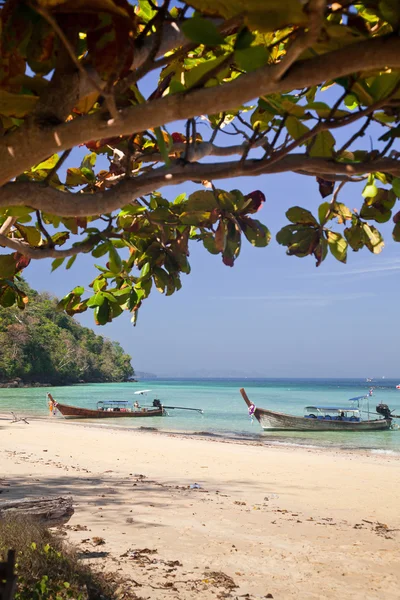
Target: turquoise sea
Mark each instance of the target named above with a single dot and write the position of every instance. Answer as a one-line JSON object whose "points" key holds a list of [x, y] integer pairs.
{"points": [[225, 413]]}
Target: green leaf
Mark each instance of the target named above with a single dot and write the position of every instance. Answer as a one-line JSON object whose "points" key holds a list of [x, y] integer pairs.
{"points": [[56, 263], [396, 232], [341, 212], [244, 39], [196, 218], [102, 313], [30, 234], [296, 128], [146, 12], [250, 59], [47, 165], [75, 177], [7, 265], [256, 233], [324, 212], [337, 245], [373, 238], [101, 250], [115, 261], [16, 105], [96, 300], [70, 262], [322, 145], [89, 161], [201, 201], [296, 214], [198, 72], [145, 270], [162, 145], [88, 173], [210, 245], [396, 186], [370, 191], [202, 31]]}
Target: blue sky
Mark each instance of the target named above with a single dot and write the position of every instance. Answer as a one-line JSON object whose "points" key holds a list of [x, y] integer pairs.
{"points": [[269, 316]]}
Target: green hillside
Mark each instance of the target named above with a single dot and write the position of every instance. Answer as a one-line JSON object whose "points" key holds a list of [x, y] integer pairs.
{"points": [[42, 345]]}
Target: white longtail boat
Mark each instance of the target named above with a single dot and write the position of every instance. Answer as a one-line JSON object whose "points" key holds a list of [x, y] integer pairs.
{"points": [[323, 418]]}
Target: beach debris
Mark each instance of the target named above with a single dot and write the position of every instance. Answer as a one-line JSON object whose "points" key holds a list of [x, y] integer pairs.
{"points": [[51, 511], [239, 503], [219, 579], [16, 419], [98, 541], [195, 486], [76, 527]]}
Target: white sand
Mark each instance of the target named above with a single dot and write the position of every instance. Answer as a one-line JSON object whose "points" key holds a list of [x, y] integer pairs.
{"points": [[291, 522]]}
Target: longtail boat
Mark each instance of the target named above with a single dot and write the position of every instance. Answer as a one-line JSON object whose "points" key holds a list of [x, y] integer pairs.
{"points": [[114, 409], [323, 418]]}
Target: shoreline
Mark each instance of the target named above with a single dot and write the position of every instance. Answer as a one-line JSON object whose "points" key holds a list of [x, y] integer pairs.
{"points": [[185, 518], [222, 437]]}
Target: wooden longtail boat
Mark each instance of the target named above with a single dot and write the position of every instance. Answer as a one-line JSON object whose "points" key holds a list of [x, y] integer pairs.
{"points": [[319, 418], [106, 410]]}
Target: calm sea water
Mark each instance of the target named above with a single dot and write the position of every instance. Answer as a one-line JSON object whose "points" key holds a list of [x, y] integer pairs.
{"points": [[225, 413]]}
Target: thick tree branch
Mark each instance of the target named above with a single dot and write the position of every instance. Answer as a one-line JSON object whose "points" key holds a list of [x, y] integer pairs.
{"points": [[26, 147], [67, 204]]}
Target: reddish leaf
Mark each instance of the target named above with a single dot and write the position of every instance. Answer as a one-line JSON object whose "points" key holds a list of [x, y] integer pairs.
{"points": [[178, 137], [257, 199], [21, 261], [325, 187]]}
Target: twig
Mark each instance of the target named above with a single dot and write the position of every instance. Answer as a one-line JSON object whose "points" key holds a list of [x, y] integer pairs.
{"points": [[42, 228], [57, 166], [217, 128], [358, 134], [250, 144], [8, 223]]}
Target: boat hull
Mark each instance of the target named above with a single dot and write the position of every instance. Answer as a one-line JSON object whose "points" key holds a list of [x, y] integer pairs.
{"points": [[273, 421], [75, 412], [276, 421]]}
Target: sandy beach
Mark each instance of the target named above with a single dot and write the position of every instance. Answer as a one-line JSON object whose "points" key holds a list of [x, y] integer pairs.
{"points": [[262, 522]]}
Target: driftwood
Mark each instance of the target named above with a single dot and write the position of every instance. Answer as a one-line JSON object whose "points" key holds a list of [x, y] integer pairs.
{"points": [[8, 579], [16, 419], [49, 511]]}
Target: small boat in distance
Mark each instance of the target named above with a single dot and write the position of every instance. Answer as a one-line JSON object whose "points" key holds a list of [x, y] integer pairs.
{"points": [[112, 409], [397, 387], [322, 418]]}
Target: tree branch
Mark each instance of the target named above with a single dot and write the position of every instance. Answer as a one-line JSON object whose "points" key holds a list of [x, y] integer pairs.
{"points": [[68, 204], [315, 9], [39, 252], [28, 146]]}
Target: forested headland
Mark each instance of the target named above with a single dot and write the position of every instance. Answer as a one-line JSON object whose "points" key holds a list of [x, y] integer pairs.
{"points": [[44, 346]]}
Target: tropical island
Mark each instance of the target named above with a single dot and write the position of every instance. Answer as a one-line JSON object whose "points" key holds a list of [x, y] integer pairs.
{"points": [[42, 345]]}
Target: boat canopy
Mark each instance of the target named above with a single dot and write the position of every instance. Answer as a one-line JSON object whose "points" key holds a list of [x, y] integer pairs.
{"points": [[334, 408], [357, 398], [112, 402]]}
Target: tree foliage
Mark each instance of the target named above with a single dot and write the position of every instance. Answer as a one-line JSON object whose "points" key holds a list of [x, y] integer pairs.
{"points": [[262, 88], [45, 346]]}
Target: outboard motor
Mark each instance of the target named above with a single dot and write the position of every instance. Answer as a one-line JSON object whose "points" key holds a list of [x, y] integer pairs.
{"points": [[384, 410], [157, 403]]}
